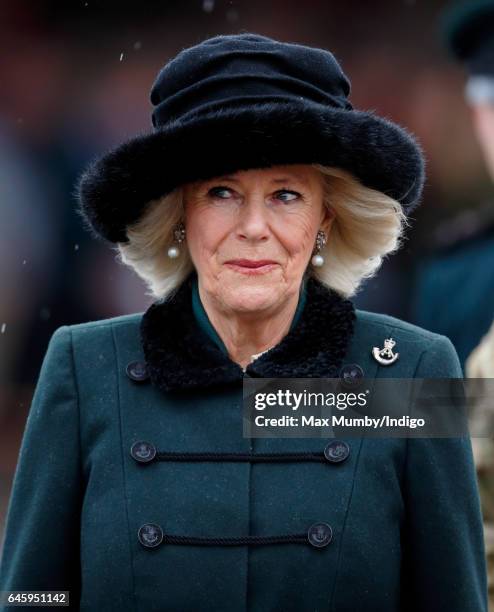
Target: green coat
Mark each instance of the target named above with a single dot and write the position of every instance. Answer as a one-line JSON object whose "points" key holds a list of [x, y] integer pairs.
{"points": [[87, 510]]}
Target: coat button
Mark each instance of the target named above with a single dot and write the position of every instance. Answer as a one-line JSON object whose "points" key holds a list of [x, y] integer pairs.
{"points": [[150, 535], [320, 534], [143, 452], [336, 451], [351, 374], [137, 370]]}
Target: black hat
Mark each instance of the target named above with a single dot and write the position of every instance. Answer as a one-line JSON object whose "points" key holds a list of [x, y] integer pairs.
{"points": [[469, 32], [235, 102]]}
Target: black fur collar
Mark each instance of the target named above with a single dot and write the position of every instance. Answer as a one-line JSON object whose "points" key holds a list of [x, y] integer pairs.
{"points": [[179, 355]]}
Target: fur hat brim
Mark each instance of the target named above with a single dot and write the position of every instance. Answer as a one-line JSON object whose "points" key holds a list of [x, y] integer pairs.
{"points": [[114, 190]]}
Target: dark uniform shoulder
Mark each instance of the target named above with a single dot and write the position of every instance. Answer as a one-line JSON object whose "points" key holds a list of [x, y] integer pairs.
{"points": [[462, 230]]}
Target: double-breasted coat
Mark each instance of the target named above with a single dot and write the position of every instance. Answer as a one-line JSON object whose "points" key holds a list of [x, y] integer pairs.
{"points": [[127, 493]]}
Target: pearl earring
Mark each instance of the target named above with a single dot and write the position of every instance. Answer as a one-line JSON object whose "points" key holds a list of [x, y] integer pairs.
{"points": [[179, 236], [318, 260]]}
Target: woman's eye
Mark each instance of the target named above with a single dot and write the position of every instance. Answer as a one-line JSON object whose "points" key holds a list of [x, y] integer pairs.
{"points": [[218, 191], [224, 193], [293, 195]]}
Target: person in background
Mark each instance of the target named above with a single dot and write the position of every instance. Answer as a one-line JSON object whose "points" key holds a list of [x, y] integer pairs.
{"points": [[465, 257], [463, 248], [480, 364]]}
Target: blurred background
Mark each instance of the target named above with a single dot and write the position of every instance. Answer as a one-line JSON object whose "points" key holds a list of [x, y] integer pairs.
{"points": [[76, 76]]}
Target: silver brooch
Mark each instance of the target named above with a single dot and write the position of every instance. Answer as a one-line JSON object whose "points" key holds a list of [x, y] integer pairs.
{"points": [[385, 356]]}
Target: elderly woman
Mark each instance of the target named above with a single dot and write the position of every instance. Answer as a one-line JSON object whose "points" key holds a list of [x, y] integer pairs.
{"points": [[253, 212]]}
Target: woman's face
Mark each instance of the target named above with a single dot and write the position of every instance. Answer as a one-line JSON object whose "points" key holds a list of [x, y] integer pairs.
{"points": [[251, 234]]}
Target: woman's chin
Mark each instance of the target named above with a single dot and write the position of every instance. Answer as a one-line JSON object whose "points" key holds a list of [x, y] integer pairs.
{"points": [[252, 292], [251, 297]]}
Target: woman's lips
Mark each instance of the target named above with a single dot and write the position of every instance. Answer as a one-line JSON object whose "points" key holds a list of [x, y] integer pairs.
{"points": [[250, 266], [251, 263]]}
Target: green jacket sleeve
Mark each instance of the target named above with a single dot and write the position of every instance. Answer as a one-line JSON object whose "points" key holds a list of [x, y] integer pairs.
{"points": [[42, 532], [445, 568]]}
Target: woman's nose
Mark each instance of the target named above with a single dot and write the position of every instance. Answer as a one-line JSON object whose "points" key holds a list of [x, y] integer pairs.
{"points": [[253, 217]]}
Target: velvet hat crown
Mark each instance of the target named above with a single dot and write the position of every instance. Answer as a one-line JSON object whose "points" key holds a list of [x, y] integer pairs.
{"points": [[241, 101]]}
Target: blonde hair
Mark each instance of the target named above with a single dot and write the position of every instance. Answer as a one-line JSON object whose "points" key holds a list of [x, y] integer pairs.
{"points": [[367, 226]]}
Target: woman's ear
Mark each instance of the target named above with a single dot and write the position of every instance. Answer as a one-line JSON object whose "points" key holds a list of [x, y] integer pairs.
{"points": [[328, 217]]}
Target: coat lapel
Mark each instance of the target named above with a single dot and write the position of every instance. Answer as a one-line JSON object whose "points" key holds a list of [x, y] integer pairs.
{"points": [[179, 355]]}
